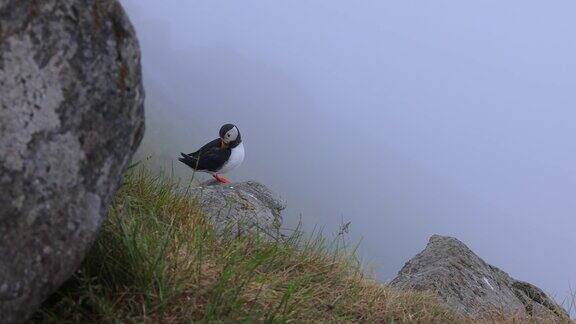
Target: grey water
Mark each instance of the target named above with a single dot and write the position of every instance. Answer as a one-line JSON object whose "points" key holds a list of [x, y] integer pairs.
{"points": [[405, 118]]}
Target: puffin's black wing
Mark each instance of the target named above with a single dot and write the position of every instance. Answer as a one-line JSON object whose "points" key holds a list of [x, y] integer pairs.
{"points": [[210, 157]]}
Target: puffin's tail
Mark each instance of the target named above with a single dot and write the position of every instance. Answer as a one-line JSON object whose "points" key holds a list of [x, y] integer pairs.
{"points": [[188, 160]]}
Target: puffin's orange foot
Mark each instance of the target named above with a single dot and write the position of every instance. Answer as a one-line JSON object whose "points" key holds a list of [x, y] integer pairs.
{"points": [[221, 179]]}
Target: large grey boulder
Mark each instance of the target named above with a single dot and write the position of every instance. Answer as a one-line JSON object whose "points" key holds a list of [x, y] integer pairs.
{"points": [[71, 116], [470, 286], [241, 207]]}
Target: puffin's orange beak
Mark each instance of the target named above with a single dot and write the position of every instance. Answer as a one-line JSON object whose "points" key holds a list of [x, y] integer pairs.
{"points": [[223, 145]]}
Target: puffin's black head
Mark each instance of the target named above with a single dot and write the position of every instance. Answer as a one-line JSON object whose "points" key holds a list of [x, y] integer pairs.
{"points": [[230, 135]]}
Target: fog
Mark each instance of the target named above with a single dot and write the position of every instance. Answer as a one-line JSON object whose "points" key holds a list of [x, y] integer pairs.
{"points": [[406, 118]]}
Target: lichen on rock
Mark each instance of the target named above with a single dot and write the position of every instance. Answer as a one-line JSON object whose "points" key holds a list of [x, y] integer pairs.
{"points": [[71, 116], [241, 207]]}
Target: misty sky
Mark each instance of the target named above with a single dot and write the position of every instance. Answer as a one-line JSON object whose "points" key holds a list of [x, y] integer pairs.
{"points": [[406, 118]]}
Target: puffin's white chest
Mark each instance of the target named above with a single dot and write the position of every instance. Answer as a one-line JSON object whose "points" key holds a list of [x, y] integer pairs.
{"points": [[236, 158]]}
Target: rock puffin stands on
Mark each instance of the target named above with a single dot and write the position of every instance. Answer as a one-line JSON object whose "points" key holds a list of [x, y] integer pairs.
{"points": [[469, 285], [71, 116], [241, 207]]}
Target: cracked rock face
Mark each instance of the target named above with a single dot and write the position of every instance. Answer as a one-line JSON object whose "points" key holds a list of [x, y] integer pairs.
{"points": [[469, 285], [241, 207], [71, 116]]}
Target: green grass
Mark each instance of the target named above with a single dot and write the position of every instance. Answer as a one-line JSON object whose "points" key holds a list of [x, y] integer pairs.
{"points": [[158, 259]]}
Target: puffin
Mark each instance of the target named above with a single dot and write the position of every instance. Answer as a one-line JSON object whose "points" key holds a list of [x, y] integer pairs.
{"points": [[218, 156]]}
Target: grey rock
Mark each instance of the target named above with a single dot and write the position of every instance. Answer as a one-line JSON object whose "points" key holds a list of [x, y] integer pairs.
{"points": [[241, 207], [71, 116], [470, 286]]}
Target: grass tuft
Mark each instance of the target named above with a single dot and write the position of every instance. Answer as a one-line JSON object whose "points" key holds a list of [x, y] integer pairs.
{"points": [[158, 259]]}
